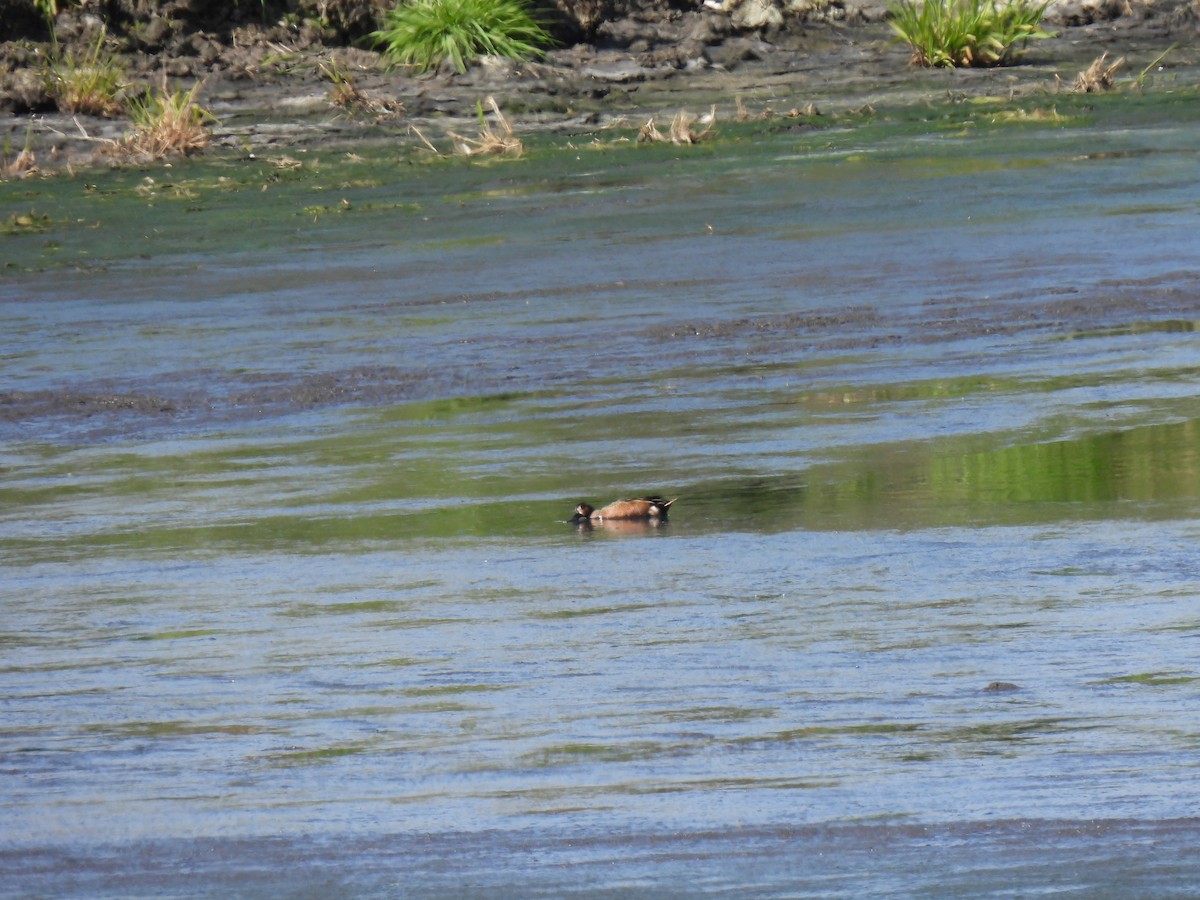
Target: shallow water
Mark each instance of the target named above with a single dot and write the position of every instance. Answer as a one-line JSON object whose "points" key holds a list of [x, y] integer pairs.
{"points": [[290, 604]]}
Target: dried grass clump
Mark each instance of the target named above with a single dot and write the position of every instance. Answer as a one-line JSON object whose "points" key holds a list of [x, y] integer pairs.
{"points": [[166, 123], [24, 165], [808, 111], [90, 82], [1099, 76], [683, 130], [347, 95], [501, 141], [744, 115], [491, 141]]}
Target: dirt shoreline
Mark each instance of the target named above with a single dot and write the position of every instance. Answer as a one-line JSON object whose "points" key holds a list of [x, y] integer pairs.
{"points": [[268, 94]]}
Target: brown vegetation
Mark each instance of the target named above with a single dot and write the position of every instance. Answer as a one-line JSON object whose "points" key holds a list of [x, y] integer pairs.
{"points": [[683, 130], [347, 95], [1099, 76], [501, 141], [166, 123]]}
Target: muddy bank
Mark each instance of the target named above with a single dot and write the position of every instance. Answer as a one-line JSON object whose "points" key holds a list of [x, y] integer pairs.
{"points": [[269, 86]]}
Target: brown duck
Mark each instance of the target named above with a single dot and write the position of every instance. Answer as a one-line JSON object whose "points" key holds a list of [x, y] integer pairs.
{"points": [[639, 508]]}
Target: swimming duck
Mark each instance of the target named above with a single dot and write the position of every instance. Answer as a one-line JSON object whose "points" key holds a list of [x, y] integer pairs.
{"points": [[639, 508]]}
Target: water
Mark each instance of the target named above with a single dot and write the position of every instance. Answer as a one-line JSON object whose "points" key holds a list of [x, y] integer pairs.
{"points": [[290, 601]]}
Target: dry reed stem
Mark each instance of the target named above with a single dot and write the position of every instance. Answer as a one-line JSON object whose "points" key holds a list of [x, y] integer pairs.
{"points": [[1098, 76], [490, 141], [681, 128], [649, 134], [22, 167], [682, 131], [809, 110], [174, 125], [424, 140], [744, 115]]}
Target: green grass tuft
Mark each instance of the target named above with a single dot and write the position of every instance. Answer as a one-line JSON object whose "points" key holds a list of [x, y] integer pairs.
{"points": [[90, 82], [952, 33], [167, 123], [425, 34]]}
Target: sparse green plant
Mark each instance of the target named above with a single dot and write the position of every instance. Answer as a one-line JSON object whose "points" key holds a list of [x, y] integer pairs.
{"points": [[345, 93], [1140, 81], [89, 82], [31, 222], [167, 122], [951, 33], [425, 34]]}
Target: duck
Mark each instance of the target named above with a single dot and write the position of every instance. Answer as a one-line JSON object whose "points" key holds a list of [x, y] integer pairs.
{"points": [[637, 508]]}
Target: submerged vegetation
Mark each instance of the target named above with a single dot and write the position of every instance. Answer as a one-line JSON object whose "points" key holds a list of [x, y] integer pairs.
{"points": [[396, 177], [426, 34], [952, 33]]}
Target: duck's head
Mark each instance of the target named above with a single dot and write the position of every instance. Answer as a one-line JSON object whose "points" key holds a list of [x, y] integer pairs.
{"points": [[583, 512]]}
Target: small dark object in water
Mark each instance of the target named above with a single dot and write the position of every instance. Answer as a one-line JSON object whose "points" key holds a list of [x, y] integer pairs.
{"points": [[1000, 686]]}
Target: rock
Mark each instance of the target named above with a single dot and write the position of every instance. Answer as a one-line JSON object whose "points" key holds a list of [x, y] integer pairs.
{"points": [[153, 35], [707, 29], [618, 71], [581, 18], [25, 91], [1086, 12], [736, 50], [16, 55], [206, 48], [622, 32], [751, 15], [182, 67], [1000, 687], [858, 11], [346, 19]]}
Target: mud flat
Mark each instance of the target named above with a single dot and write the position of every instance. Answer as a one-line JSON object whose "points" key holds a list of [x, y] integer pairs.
{"points": [[270, 89]]}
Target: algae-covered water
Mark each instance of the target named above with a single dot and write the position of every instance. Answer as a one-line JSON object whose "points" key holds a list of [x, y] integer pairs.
{"points": [[290, 601]]}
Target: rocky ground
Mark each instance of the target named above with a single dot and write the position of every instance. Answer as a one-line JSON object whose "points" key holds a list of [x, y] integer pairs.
{"points": [[270, 85]]}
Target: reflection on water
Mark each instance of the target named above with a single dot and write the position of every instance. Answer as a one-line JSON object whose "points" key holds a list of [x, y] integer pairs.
{"points": [[641, 527], [291, 582]]}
